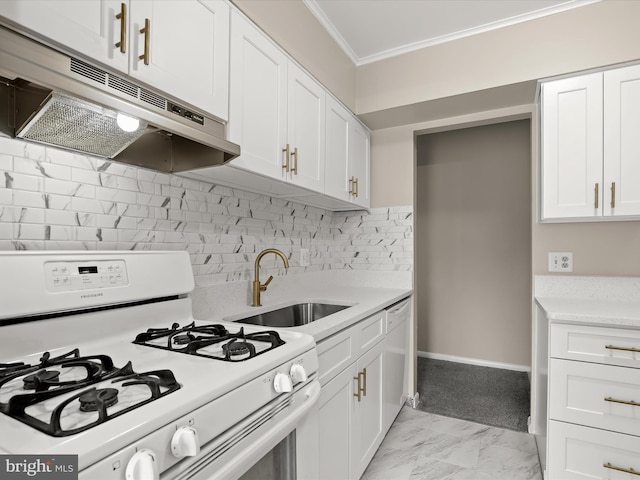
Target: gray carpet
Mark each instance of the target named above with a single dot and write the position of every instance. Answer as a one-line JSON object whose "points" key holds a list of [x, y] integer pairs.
{"points": [[490, 396]]}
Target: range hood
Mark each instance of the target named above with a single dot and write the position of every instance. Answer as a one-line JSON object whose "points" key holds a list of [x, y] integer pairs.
{"points": [[55, 99]]}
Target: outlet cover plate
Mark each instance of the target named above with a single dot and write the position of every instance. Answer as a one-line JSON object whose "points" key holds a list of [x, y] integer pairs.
{"points": [[561, 262]]}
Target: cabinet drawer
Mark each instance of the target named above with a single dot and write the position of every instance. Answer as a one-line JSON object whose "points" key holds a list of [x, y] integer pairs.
{"points": [[577, 453], [591, 394], [336, 353], [370, 332], [611, 346]]}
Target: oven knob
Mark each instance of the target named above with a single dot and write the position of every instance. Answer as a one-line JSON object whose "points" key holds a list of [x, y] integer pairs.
{"points": [[298, 373], [282, 383], [185, 442], [143, 466]]}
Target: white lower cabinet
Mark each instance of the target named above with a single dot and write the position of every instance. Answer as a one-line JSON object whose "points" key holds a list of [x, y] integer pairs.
{"points": [[594, 403], [368, 414], [336, 425], [351, 400], [579, 453]]}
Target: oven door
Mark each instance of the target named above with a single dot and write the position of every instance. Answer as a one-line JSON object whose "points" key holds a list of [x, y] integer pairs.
{"points": [[279, 442]]}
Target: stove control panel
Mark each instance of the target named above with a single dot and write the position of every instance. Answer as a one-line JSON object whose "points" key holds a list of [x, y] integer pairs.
{"points": [[70, 276]]}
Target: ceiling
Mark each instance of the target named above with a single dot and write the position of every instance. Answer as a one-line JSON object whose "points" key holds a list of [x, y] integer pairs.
{"points": [[370, 30]]}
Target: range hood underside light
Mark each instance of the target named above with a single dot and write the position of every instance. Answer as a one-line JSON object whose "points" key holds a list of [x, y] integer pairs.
{"points": [[71, 123]]}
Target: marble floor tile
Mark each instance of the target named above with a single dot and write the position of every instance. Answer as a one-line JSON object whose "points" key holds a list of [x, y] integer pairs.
{"points": [[424, 446]]}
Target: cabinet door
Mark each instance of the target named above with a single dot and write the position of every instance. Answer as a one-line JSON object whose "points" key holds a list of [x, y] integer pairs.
{"points": [[258, 99], [359, 144], [572, 147], [336, 177], [306, 129], [622, 141], [336, 409], [188, 50], [86, 28], [369, 425]]}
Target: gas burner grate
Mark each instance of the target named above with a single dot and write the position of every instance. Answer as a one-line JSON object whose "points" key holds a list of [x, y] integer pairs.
{"points": [[89, 392], [195, 340]]}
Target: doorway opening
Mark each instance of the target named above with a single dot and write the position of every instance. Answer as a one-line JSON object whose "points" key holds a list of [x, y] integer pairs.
{"points": [[473, 255]]}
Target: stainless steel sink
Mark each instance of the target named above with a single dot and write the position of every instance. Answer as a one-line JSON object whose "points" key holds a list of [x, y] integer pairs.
{"points": [[293, 315]]}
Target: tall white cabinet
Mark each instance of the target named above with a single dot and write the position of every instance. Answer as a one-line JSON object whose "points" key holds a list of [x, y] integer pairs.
{"points": [[180, 47], [590, 146]]}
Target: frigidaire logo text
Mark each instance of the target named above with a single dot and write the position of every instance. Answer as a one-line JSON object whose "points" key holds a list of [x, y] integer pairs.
{"points": [[91, 295], [60, 467]]}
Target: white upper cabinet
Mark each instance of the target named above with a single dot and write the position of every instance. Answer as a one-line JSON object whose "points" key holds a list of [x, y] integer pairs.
{"points": [[185, 52], [180, 47], [622, 141], [572, 147], [337, 170], [359, 144], [277, 111], [590, 146], [257, 100], [306, 130], [90, 28], [347, 164]]}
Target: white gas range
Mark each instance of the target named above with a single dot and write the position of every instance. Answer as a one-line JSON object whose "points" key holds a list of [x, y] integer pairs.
{"points": [[100, 357]]}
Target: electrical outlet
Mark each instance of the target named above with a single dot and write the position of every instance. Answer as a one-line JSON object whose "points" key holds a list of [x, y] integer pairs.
{"points": [[304, 257], [561, 262]]}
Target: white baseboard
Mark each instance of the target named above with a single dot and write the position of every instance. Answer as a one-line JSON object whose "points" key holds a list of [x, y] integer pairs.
{"points": [[475, 361]]}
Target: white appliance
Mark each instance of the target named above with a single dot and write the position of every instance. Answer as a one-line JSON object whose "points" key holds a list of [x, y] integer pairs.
{"points": [[100, 357], [396, 364]]}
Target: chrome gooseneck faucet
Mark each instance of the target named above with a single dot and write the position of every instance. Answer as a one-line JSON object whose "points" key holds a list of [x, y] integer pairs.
{"points": [[261, 287]]}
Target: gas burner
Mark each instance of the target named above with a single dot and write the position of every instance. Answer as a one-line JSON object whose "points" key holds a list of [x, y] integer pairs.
{"points": [[182, 339], [94, 400], [41, 380], [211, 341], [237, 348]]}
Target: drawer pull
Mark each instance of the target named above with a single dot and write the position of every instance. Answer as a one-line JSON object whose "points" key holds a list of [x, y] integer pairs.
{"points": [[364, 374], [626, 349], [624, 402], [619, 469], [359, 394]]}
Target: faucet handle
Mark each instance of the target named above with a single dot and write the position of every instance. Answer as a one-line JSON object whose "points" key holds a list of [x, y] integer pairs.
{"points": [[263, 287]]}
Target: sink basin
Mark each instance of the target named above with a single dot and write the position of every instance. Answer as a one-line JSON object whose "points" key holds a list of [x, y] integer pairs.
{"points": [[293, 315]]}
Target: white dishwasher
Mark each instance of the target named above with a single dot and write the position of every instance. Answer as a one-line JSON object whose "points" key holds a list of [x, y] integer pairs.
{"points": [[397, 359]]}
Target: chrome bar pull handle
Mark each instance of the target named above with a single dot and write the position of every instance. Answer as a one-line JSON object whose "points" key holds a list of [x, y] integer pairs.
{"points": [[356, 184], [147, 33], [286, 158], [620, 469], [351, 186], [624, 402], [294, 169], [624, 349], [613, 194], [122, 16], [596, 195]]}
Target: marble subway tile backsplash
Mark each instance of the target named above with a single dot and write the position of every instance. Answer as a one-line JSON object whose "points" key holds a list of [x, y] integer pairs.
{"points": [[51, 199]]}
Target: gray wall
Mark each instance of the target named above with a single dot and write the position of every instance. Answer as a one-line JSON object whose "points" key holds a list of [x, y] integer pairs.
{"points": [[473, 243]]}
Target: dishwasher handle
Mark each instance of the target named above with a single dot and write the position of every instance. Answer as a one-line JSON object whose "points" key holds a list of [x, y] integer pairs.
{"points": [[399, 308]]}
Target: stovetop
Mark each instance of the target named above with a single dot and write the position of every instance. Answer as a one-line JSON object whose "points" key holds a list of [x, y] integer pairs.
{"points": [[199, 379]]}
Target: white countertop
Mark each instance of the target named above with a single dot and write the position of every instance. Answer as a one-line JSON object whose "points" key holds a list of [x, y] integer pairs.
{"points": [[610, 301], [365, 294]]}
